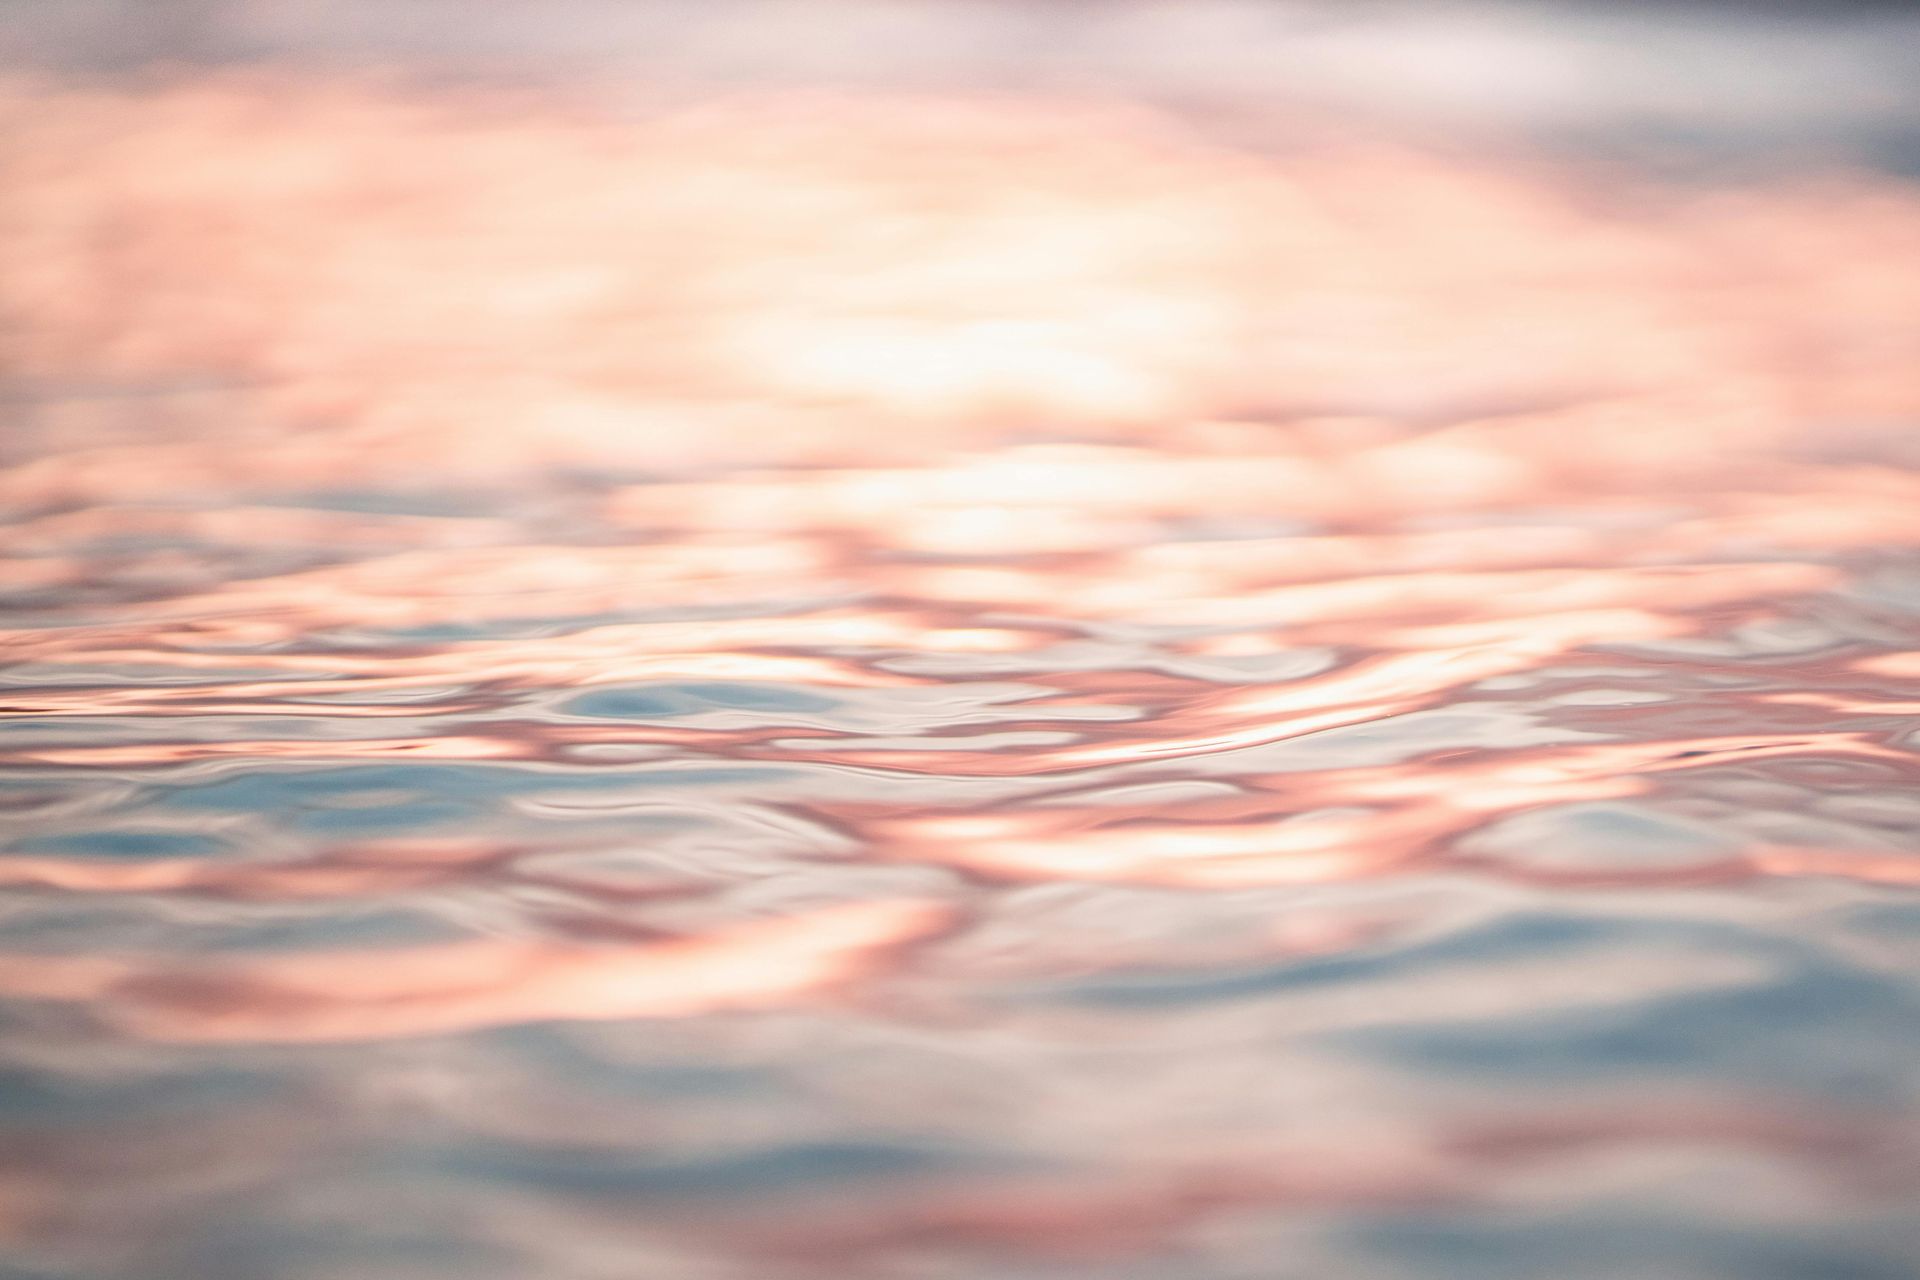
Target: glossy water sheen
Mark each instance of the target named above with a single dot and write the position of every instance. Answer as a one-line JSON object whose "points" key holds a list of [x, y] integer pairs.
{"points": [[946, 690]]}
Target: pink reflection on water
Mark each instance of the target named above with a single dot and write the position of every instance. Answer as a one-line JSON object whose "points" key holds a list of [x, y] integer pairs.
{"points": [[971, 500], [379, 994]]}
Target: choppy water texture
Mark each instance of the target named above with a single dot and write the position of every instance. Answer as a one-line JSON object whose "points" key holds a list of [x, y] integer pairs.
{"points": [[949, 689]]}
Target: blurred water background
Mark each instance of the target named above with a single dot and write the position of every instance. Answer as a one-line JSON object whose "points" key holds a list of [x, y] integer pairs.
{"points": [[959, 641]]}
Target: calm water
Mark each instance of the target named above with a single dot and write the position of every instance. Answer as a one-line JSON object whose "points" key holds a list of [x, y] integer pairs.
{"points": [[720, 695]]}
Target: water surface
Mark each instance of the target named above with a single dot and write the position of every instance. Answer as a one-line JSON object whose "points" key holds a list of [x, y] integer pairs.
{"points": [[950, 689]]}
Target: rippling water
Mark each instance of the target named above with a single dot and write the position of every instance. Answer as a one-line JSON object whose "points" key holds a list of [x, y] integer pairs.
{"points": [[833, 688]]}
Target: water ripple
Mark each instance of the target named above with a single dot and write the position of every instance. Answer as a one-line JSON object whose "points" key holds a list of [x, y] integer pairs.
{"points": [[1200, 711]]}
